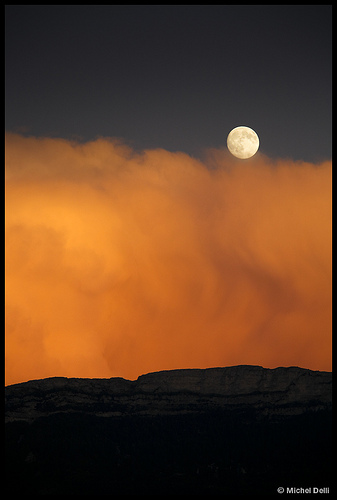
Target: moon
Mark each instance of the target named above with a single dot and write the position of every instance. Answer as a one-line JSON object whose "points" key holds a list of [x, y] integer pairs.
{"points": [[243, 142]]}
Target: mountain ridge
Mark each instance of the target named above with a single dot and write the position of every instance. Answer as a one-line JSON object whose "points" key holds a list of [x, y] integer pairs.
{"points": [[269, 391], [226, 430]]}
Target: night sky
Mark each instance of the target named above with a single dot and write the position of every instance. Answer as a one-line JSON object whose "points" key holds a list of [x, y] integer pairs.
{"points": [[172, 77], [135, 241]]}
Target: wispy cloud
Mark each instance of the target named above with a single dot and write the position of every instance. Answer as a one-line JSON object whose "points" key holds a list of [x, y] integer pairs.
{"points": [[120, 263]]}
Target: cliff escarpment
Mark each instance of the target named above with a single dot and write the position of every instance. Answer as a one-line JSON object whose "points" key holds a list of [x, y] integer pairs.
{"points": [[279, 391], [238, 430]]}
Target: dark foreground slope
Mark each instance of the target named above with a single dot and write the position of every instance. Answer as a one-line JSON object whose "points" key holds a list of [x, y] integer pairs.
{"points": [[237, 430]]}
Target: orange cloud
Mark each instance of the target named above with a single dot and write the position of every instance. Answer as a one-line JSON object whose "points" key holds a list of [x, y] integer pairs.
{"points": [[119, 263]]}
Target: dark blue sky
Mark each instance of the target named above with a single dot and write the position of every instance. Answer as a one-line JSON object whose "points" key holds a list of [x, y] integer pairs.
{"points": [[174, 77]]}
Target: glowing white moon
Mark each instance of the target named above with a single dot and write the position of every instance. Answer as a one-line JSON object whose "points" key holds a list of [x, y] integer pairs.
{"points": [[243, 142]]}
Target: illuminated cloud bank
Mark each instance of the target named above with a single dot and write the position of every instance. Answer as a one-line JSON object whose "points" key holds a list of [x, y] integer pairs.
{"points": [[120, 263]]}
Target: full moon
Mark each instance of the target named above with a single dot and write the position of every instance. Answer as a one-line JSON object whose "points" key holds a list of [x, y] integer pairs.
{"points": [[243, 142]]}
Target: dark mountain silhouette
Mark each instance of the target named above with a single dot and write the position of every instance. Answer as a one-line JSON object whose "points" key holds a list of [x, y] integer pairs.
{"points": [[235, 430]]}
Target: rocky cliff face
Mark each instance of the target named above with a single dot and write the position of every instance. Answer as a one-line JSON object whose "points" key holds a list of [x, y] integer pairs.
{"points": [[271, 392], [240, 430]]}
